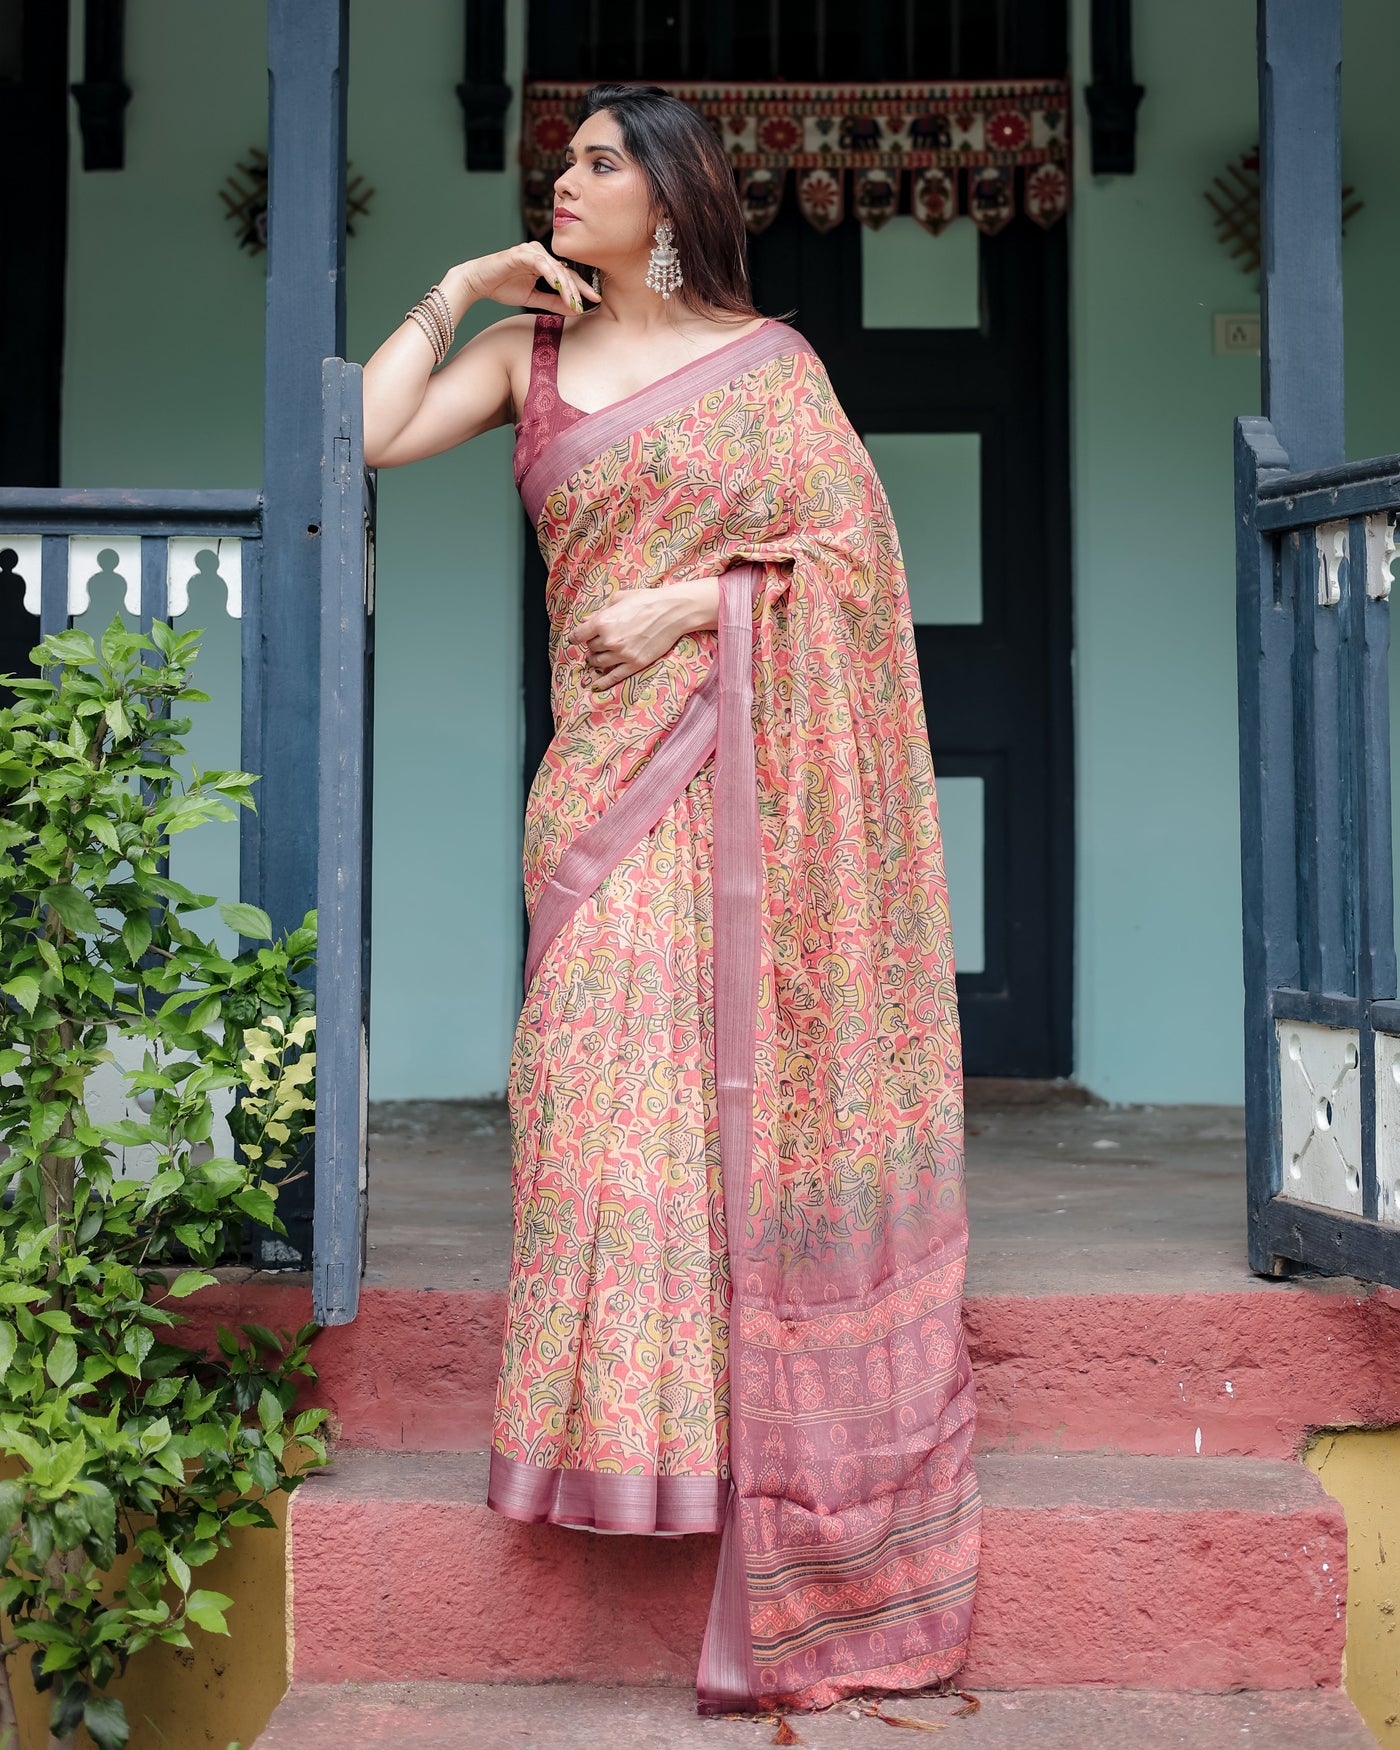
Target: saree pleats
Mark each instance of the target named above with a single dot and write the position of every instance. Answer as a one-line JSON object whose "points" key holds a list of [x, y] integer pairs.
{"points": [[618, 1297], [736, 1098]]}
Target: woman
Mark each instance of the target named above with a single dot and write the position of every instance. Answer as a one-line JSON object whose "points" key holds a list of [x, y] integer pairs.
{"points": [[735, 1087]]}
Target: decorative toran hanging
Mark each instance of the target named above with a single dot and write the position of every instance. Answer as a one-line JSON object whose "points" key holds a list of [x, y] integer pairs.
{"points": [[934, 149]]}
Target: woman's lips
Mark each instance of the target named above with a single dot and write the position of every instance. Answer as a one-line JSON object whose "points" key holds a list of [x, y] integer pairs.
{"points": [[564, 218]]}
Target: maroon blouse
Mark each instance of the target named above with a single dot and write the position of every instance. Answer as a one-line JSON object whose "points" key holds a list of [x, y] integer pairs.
{"points": [[544, 413]]}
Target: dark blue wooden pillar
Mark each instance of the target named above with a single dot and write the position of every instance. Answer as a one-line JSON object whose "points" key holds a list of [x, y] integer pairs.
{"points": [[1300, 140], [1296, 798], [307, 50]]}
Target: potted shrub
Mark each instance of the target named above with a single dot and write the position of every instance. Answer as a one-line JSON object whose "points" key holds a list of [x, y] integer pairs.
{"points": [[129, 1458]]}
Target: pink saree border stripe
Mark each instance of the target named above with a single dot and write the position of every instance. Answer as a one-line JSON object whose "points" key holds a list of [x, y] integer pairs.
{"points": [[728, 1679], [622, 826], [599, 431], [568, 1495]]}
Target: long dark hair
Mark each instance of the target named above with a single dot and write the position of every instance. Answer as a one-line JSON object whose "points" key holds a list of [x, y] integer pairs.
{"points": [[692, 183]]}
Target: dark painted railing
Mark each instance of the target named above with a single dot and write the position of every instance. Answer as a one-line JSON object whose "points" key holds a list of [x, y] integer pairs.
{"points": [[54, 541], [1315, 556], [1315, 541], [306, 607]]}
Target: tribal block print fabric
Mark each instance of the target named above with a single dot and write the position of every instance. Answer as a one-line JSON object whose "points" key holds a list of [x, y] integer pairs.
{"points": [[798, 1371]]}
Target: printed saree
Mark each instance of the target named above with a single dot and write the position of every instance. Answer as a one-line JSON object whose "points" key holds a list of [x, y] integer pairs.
{"points": [[735, 1088]]}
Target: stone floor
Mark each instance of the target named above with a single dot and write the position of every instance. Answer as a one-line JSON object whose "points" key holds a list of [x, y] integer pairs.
{"points": [[1063, 1196], [415, 1716]]}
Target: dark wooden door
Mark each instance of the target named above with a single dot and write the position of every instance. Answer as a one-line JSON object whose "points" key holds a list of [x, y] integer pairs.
{"points": [[34, 106], [997, 678]]}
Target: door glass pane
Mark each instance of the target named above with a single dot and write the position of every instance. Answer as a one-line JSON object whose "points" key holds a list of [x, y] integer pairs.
{"points": [[912, 280], [934, 483], [961, 808]]}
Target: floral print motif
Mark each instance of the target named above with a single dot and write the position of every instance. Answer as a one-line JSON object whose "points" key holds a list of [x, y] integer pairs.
{"points": [[855, 1412]]}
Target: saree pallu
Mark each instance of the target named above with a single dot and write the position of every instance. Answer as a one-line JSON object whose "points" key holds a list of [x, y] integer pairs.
{"points": [[766, 788]]}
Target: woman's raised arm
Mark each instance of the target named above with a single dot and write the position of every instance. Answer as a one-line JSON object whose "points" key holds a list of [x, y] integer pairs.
{"points": [[413, 410]]}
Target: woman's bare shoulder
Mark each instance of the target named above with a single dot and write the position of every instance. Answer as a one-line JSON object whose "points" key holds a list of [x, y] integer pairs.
{"points": [[510, 336], [512, 340]]}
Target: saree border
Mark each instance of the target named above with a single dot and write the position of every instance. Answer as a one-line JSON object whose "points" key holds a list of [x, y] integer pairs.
{"points": [[605, 1500], [578, 443], [727, 1679], [596, 851]]}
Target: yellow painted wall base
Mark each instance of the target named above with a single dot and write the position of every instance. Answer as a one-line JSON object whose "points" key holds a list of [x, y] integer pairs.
{"points": [[1359, 1467], [221, 1689]]}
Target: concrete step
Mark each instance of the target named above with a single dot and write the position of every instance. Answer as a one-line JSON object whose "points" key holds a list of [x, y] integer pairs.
{"points": [[1220, 1374], [1140, 1572], [1232, 1374], [425, 1716]]}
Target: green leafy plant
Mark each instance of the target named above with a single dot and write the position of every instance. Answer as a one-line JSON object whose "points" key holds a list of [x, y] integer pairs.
{"points": [[130, 1458]]}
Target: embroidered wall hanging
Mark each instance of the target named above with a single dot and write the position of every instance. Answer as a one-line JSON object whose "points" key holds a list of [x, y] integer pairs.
{"points": [[934, 150]]}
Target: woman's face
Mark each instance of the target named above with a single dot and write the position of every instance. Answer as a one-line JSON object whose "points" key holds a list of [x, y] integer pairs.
{"points": [[607, 193]]}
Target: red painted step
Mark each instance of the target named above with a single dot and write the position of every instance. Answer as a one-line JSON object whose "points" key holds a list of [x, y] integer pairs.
{"points": [[1250, 1370], [1210, 1574], [422, 1716]]}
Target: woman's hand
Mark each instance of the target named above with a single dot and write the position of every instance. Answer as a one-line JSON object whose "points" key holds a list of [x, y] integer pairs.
{"points": [[636, 627], [509, 277]]}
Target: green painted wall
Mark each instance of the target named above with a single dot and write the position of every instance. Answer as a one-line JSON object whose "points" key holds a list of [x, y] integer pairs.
{"points": [[164, 386], [1159, 985], [449, 718]]}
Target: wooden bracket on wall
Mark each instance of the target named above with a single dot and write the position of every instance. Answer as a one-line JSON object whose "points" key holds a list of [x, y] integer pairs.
{"points": [[102, 93], [1112, 96], [483, 92]]}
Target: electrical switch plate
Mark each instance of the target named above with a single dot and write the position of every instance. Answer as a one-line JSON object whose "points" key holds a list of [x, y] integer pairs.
{"points": [[1238, 333]]}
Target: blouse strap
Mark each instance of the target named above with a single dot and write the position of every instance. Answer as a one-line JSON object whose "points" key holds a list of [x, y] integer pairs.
{"points": [[544, 359]]}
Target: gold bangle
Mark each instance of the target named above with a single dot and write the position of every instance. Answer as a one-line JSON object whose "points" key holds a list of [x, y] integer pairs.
{"points": [[430, 310], [424, 322], [436, 317], [440, 310], [439, 298]]}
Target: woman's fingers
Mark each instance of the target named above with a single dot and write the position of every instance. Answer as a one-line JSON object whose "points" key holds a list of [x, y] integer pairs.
{"points": [[509, 277], [569, 288], [566, 296]]}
